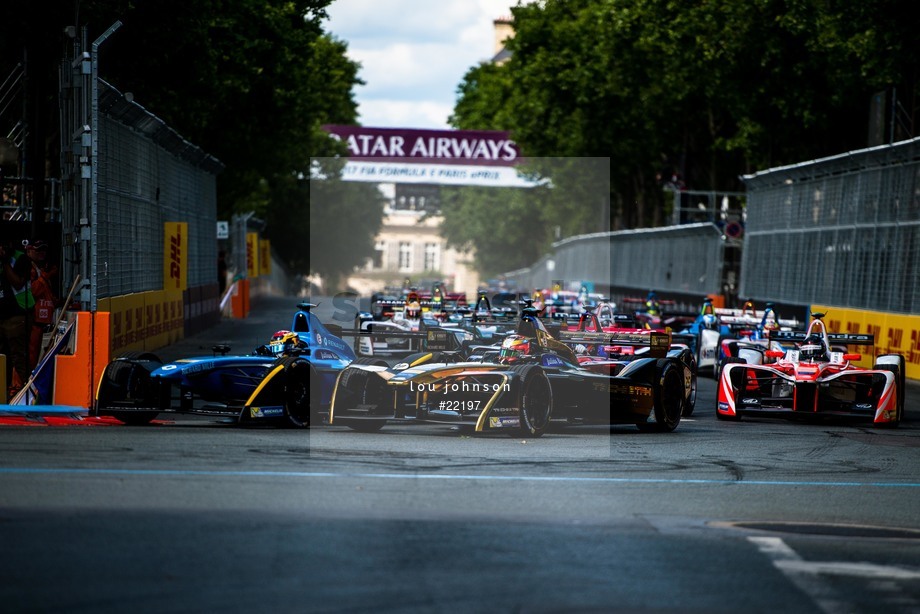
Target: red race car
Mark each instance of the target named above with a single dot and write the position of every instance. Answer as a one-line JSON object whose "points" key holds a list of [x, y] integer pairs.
{"points": [[814, 381]]}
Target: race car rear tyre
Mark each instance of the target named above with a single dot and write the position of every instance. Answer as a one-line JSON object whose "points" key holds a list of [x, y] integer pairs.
{"points": [[297, 391], [128, 377], [669, 399], [535, 401]]}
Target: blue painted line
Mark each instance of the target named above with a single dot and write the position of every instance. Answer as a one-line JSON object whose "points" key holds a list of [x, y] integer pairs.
{"points": [[431, 476]]}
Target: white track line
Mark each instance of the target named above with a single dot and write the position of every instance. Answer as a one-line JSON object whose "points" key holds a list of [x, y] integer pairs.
{"points": [[806, 576]]}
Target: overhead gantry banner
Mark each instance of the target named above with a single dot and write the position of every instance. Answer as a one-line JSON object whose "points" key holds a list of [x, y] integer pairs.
{"points": [[443, 157]]}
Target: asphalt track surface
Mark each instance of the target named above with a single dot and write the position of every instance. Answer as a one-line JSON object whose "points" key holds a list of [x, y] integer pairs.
{"points": [[198, 515]]}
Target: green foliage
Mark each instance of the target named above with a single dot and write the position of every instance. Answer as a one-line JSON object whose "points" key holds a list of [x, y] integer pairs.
{"points": [[705, 90], [249, 81], [504, 225], [344, 217], [510, 228]]}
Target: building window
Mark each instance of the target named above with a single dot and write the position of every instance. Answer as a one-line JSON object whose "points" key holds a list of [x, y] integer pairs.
{"points": [[431, 257], [405, 256], [415, 197], [380, 250]]}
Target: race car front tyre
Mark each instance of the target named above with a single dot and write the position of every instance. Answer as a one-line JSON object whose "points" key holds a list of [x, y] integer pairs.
{"points": [[127, 380], [297, 391], [669, 399], [716, 363], [894, 363], [353, 384], [726, 361], [536, 400]]}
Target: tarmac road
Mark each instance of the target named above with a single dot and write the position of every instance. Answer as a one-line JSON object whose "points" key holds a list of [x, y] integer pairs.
{"points": [[198, 515]]}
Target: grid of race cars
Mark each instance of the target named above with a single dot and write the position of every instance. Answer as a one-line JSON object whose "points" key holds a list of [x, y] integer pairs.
{"points": [[515, 363]]}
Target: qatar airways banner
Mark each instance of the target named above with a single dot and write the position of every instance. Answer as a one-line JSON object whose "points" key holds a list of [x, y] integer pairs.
{"points": [[443, 157]]}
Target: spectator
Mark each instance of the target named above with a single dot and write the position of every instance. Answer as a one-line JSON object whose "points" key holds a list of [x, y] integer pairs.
{"points": [[14, 335], [222, 271], [44, 283]]}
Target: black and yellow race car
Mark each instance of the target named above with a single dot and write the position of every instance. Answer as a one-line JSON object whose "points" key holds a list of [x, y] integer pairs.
{"points": [[536, 379]]}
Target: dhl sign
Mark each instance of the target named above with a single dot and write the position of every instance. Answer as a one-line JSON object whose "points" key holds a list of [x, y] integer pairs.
{"points": [[265, 257], [175, 256], [252, 254], [894, 333]]}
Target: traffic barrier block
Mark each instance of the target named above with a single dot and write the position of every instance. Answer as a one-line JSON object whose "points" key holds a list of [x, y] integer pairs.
{"points": [[75, 375]]}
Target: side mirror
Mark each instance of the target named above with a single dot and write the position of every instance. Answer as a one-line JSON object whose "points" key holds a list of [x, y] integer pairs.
{"points": [[852, 357], [775, 353]]}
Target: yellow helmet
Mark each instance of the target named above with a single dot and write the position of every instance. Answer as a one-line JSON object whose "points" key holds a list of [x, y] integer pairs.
{"points": [[283, 341]]}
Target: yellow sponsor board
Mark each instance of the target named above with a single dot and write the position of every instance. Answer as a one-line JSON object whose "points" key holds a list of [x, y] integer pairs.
{"points": [[175, 256], [252, 254], [174, 317], [144, 321], [265, 257], [126, 323], [894, 333]]}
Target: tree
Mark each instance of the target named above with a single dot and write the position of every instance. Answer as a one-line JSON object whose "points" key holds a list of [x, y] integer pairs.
{"points": [[344, 217], [708, 90], [248, 81]]}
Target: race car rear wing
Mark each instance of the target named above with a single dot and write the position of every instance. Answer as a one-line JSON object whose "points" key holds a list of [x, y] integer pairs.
{"points": [[685, 338], [623, 320], [797, 336], [431, 340], [658, 343], [748, 321], [402, 303]]}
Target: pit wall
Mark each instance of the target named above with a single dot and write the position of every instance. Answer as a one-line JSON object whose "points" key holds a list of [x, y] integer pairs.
{"points": [[894, 333]]}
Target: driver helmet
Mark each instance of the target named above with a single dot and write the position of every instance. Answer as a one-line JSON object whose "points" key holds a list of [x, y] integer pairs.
{"points": [[709, 321], [538, 300], [413, 311], [283, 341], [514, 349], [651, 303], [812, 349], [769, 321]]}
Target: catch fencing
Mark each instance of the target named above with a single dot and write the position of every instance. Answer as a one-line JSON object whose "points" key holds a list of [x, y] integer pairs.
{"points": [[138, 211], [843, 230], [149, 175], [125, 175], [686, 259]]}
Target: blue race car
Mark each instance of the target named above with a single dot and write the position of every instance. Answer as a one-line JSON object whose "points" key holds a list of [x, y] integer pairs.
{"points": [[284, 381]]}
